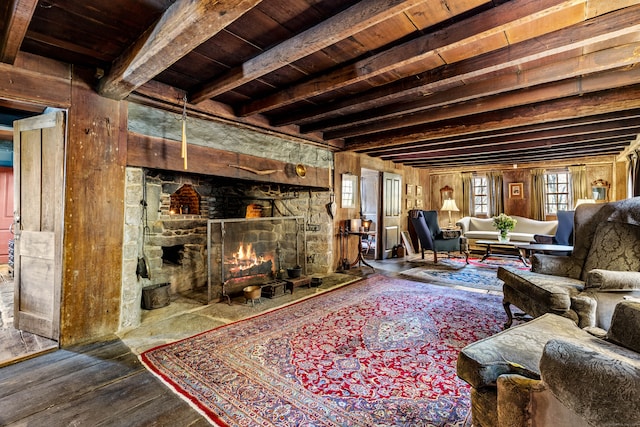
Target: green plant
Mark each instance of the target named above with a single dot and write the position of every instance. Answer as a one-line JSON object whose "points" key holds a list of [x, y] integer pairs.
{"points": [[504, 222]]}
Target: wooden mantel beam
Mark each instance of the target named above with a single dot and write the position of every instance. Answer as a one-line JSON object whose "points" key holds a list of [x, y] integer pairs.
{"points": [[339, 27], [184, 26], [15, 16]]}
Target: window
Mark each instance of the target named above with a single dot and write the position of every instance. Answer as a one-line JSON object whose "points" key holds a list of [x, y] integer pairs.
{"points": [[480, 196], [556, 192]]}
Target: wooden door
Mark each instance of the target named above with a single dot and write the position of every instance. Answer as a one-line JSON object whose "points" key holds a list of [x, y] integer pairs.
{"points": [[391, 210], [38, 144], [6, 212]]}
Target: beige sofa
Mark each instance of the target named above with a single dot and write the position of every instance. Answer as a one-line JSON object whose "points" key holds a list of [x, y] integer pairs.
{"points": [[482, 229]]}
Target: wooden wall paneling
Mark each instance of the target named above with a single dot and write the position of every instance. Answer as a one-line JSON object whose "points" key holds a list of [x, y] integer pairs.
{"points": [[520, 207], [94, 215]]}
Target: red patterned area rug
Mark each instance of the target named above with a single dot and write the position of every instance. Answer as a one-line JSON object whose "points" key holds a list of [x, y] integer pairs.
{"points": [[378, 352]]}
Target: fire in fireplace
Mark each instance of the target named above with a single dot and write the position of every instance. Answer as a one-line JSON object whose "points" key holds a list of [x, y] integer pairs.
{"points": [[245, 263], [249, 251]]}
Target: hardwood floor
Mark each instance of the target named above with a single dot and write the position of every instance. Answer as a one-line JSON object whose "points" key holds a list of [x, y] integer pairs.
{"points": [[101, 384], [104, 384]]}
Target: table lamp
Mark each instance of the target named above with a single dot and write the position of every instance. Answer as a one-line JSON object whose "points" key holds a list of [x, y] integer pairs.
{"points": [[449, 205]]}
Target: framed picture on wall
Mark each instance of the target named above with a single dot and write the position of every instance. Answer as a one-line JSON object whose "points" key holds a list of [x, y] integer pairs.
{"points": [[516, 190], [418, 190], [409, 204], [409, 189]]}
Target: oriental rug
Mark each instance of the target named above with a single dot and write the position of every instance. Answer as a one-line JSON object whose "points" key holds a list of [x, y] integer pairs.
{"points": [[455, 272], [378, 352]]}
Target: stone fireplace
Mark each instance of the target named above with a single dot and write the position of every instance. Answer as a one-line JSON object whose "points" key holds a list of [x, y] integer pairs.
{"points": [[172, 217]]}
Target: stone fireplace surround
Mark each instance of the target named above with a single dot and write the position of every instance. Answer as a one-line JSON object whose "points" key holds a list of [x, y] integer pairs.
{"points": [[175, 243]]}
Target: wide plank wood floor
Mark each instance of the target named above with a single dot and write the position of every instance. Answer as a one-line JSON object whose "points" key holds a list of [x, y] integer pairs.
{"points": [[101, 384]]}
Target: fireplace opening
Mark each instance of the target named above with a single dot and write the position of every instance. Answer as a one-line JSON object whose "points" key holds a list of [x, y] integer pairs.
{"points": [[172, 255], [185, 201]]}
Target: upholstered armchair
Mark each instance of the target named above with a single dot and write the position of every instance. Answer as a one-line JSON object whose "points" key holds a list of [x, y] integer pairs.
{"points": [[585, 286], [564, 232], [549, 372], [425, 224]]}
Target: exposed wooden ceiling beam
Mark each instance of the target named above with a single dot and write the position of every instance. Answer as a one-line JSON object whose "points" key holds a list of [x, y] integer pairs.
{"points": [[546, 130], [478, 147], [610, 101], [545, 144], [15, 15], [340, 26], [519, 79], [565, 89], [597, 149], [430, 50], [184, 26]]}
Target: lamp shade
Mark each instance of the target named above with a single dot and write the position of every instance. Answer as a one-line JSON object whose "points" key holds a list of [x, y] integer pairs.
{"points": [[450, 205]]}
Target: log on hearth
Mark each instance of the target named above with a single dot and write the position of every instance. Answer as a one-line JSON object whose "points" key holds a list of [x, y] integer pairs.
{"points": [[233, 272]]}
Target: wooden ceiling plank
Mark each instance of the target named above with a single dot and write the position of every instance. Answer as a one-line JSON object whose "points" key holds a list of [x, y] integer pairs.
{"points": [[16, 22], [340, 26], [524, 140], [591, 63], [549, 128], [612, 147], [541, 93], [483, 26], [545, 144], [538, 132], [604, 30], [185, 25], [610, 101]]}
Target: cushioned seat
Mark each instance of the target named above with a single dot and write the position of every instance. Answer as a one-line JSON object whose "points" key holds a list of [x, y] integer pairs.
{"points": [[549, 372], [481, 363], [585, 286]]}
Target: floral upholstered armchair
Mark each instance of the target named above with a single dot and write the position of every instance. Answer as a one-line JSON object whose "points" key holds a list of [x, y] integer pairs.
{"points": [[549, 372], [585, 286]]}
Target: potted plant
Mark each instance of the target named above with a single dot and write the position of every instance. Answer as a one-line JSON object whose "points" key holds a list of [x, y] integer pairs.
{"points": [[504, 224]]}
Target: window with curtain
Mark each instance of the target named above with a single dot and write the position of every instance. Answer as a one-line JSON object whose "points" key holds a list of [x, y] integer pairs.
{"points": [[480, 196], [557, 193]]}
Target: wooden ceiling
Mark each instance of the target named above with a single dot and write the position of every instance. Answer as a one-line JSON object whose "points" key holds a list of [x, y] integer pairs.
{"points": [[431, 83]]}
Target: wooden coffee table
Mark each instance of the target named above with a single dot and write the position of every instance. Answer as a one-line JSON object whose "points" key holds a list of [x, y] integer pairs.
{"points": [[503, 245]]}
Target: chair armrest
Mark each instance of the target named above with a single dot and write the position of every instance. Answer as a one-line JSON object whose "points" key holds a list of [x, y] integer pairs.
{"points": [[608, 280], [594, 378], [463, 223], [544, 239], [556, 265]]}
